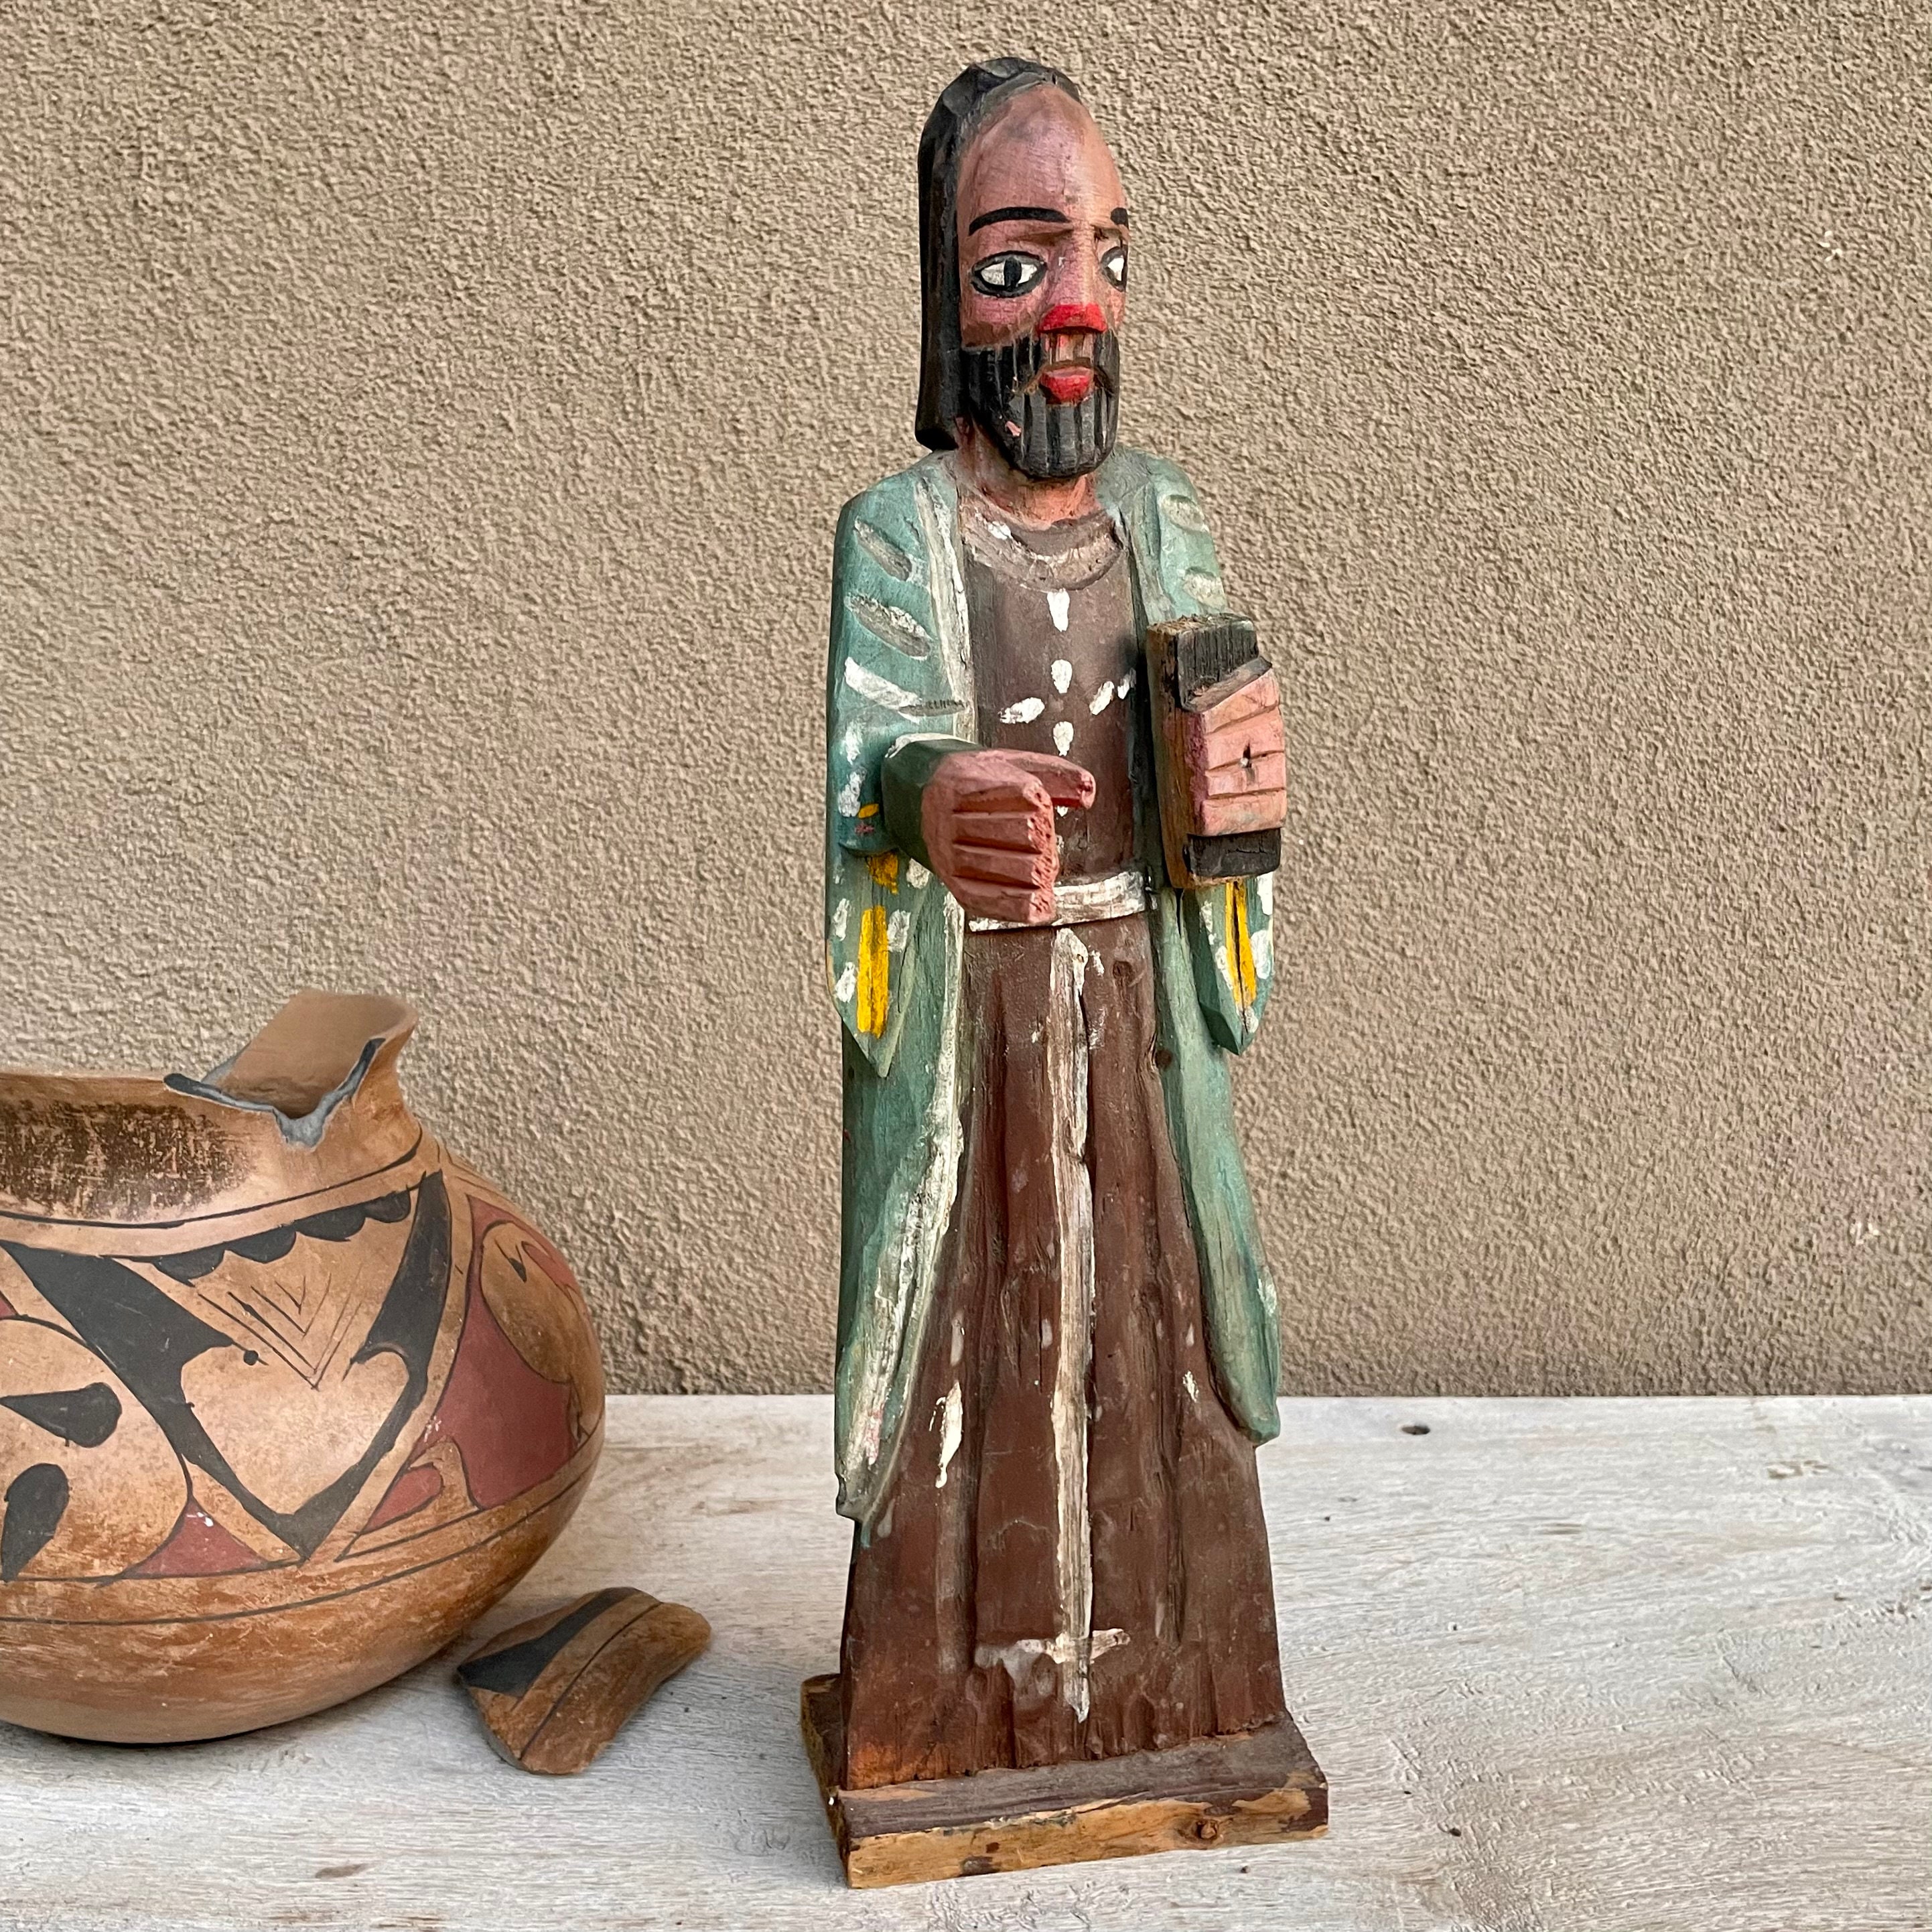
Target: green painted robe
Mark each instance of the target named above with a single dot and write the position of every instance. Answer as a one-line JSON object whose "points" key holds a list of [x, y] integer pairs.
{"points": [[900, 690]]}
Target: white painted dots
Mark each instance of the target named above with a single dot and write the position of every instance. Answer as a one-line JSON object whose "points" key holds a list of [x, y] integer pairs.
{"points": [[1056, 602], [1062, 672], [1029, 710], [951, 1413]]}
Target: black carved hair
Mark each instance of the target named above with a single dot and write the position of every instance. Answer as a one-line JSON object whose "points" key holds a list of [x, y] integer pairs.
{"points": [[962, 110]]}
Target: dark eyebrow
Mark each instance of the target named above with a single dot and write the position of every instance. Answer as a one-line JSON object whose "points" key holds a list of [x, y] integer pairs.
{"points": [[993, 214]]}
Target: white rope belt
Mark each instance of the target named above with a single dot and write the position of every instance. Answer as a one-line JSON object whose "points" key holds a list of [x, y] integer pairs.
{"points": [[1078, 901]]}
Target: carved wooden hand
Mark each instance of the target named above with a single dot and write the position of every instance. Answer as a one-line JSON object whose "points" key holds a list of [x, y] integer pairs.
{"points": [[987, 818], [1236, 759]]}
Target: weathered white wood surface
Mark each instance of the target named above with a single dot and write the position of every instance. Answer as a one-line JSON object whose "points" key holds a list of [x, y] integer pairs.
{"points": [[1571, 1666]]}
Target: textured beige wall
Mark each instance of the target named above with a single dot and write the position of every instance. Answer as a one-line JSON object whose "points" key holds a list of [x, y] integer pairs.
{"points": [[421, 431]]}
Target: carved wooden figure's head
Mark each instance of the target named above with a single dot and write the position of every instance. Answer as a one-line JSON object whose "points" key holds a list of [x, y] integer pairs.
{"points": [[1024, 241]]}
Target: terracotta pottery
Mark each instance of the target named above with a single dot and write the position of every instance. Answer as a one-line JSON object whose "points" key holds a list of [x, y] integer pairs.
{"points": [[289, 1396]]}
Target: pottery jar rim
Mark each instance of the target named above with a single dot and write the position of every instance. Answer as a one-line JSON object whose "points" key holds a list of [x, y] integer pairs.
{"points": [[311, 1103]]}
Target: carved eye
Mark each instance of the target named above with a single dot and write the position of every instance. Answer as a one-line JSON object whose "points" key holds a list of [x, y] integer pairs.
{"points": [[1012, 274], [1113, 265]]}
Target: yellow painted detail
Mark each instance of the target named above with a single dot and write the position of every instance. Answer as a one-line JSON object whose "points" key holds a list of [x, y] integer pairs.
{"points": [[869, 810], [884, 867], [1241, 952], [874, 972]]}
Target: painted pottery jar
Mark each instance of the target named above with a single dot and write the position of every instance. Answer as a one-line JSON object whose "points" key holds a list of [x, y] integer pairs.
{"points": [[289, 1395]]}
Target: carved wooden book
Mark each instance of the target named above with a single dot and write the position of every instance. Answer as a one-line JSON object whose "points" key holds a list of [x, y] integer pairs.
{"points": [[1193, 664]]}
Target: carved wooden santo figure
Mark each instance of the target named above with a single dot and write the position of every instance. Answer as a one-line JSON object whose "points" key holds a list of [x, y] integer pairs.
{"points": [[1057, 1342]]}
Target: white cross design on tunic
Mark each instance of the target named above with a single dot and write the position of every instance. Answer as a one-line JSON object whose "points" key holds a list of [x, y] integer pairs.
{"points": [[1024, 710]]}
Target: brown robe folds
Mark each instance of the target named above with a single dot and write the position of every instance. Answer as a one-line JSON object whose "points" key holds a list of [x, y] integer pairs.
{"points": [[1072, 1563]]}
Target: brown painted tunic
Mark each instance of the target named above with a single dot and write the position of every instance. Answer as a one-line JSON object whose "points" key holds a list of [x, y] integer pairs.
{"points": [[1072, 1562], [1056, 660]]}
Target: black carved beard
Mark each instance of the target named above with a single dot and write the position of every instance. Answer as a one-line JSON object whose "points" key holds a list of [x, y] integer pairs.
{"points": [[1042, 439]]}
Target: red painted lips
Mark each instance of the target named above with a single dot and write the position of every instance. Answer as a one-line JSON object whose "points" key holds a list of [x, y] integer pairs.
{"points": [[1066, 385]]}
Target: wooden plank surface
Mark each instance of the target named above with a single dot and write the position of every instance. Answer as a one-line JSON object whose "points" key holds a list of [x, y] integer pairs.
{"points": [[1571, 1666]]}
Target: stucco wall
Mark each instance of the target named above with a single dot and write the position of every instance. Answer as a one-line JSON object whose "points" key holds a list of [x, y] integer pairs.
{"points": [[421, 432]]}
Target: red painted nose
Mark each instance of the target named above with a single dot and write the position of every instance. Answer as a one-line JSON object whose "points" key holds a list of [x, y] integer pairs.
{"points": [[1064, 318]]}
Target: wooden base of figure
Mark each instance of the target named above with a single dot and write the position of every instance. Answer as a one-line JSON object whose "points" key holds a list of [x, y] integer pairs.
{"points": [[1254, 1788]]}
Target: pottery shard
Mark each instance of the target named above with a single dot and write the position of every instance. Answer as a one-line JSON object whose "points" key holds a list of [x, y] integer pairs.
{"points": [[554, 1691]]}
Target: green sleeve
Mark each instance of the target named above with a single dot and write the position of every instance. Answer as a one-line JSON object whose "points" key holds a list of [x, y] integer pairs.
{"points": [[908, 770], [886, 690]]}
